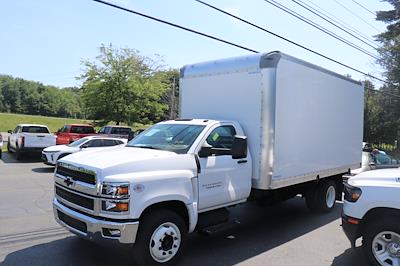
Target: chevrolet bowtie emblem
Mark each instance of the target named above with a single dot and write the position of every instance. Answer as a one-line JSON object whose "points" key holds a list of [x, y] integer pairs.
{"points": [[68, 181]]}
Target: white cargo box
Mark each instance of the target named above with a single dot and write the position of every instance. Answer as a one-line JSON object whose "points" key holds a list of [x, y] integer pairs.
{"points": [[302, 121]]}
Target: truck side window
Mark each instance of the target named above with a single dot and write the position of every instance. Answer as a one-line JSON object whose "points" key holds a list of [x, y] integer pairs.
{"points": [[222, 137]]}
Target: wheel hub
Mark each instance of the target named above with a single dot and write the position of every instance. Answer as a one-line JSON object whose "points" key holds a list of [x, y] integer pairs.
{"points": [[165, 242], [394, 249]]}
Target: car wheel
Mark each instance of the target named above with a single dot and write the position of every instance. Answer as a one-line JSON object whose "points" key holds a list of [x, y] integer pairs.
{"points": [[160, 239], [18, 154], [323, 197], [381, 242], [8, 147]]}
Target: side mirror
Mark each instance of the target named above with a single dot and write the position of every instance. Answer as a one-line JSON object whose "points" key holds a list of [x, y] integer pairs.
{"points": [[239, 147], [9, 131], [205, 150], [84, 146]]}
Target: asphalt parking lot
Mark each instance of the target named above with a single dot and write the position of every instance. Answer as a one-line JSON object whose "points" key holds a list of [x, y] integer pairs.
{"points": [[285, 234]]}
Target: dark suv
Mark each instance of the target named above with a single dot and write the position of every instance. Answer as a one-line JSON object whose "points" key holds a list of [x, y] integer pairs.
{"points": [[115, 131]]}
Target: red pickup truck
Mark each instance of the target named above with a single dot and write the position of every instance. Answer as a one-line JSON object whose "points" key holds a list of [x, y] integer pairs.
{"points": [[71, 132]]}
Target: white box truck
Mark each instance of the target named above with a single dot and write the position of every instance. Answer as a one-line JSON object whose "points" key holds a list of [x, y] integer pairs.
{"points": [[264, 127]]}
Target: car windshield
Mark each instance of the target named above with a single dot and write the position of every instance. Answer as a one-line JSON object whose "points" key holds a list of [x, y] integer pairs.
{"points": [[35, 129], [78, 142], [170, 137]]}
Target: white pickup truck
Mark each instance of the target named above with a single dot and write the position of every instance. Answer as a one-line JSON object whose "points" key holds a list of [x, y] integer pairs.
{"points": [[26, 138], [371, 210], [272, 127]]}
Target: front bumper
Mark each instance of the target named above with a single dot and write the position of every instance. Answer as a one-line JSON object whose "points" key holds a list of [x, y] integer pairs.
{"points": [[46, 160], [97, 230], [351, 230]]}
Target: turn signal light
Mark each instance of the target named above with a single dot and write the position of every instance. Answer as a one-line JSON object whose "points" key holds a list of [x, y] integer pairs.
{"points": [[115, 206]]}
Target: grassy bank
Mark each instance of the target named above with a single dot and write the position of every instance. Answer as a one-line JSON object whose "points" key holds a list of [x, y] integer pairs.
{"points": [[10, 121]]}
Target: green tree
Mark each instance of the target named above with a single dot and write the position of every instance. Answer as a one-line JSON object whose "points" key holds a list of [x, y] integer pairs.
{"points": [[123, 86], [390, 60]]}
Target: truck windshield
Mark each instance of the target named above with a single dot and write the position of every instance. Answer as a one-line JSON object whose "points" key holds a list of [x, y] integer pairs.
{"points": [[170, 137]]}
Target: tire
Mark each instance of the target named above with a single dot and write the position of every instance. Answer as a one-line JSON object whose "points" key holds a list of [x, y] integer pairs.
{"points": [[8, 147], [323, 197], [376, 241], [18, 154], [160, 239], [62, 155]]}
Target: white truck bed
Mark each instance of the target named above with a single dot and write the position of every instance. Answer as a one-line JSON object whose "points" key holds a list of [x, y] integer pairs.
{"points": [[302, 121]]}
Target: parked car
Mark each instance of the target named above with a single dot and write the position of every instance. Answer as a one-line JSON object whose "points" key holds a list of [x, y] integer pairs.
{"points": [[51, 154], [371, 210], [27, 138], [72, 132], [115, 131], [1, 145], [373, 160]]}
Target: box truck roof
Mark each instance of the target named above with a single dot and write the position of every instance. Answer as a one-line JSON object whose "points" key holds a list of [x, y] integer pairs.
{"points": [[250, 63]]}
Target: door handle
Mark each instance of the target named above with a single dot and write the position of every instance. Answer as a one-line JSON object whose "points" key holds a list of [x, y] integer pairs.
{"points": [[242, 161]]}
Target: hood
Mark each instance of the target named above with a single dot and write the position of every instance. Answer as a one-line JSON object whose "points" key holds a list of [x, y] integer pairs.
{"points": [[120, 160], [384, 177], [56, 148]]}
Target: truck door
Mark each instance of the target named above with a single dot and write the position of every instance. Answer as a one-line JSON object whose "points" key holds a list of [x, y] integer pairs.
{"points": [[14, 138], [222, 180]]}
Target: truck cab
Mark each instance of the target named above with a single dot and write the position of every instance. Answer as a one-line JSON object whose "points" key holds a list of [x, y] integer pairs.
{"points": [[202, 165]]}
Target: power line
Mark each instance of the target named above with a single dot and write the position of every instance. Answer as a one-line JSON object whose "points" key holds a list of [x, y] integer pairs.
{"points": [[335, 19], [319, 27], [239, 46], [334, 24], [287, 40], [354, 14], [175, 25], [373, 13]]}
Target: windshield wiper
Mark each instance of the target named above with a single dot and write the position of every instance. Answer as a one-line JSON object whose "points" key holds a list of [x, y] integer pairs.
{"points": [[145, 147]]}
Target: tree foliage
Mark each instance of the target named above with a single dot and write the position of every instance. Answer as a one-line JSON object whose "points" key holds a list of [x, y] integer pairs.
{"points": [[123, 86], [28, 97], [385, 108]]}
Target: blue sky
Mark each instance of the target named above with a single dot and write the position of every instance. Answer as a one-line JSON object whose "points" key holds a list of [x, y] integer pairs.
{"points": [[46, 40]]}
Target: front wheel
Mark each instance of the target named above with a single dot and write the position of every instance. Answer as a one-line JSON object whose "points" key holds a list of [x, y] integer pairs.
{"points": [[381, 242], [160, 239]]}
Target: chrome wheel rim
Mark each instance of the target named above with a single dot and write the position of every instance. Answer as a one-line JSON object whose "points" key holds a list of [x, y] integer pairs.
{"points": [[330, 197], [386, 248], [165, 242]]}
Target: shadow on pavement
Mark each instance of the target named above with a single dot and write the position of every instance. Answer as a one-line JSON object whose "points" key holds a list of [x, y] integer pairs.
{"points": [[261, 229], [351, 257], [46, 169], [9, 158]]}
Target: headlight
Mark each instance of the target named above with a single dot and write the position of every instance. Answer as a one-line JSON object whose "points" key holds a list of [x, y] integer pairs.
{"points": [[115, 190], [115, 206], [351, 193]]}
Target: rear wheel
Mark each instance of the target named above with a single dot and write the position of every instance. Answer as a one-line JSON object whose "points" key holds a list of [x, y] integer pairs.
{"points": [[160, 239], [18, 154], [323, 197], [381, 242]]}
